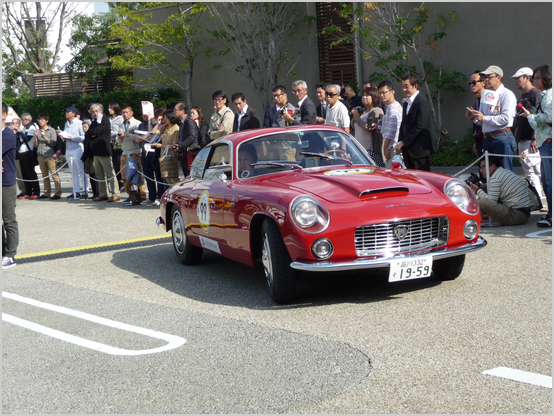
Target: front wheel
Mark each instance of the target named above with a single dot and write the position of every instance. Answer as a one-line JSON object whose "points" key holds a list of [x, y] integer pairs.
{"points": [[449, 268], [185, 251], [281, 279]]}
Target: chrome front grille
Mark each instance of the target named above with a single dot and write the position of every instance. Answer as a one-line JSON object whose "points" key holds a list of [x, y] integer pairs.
{"points": [[420, 234]]}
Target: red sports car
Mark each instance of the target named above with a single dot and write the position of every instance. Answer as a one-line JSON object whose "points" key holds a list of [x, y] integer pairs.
{"points": [[310, 198]]}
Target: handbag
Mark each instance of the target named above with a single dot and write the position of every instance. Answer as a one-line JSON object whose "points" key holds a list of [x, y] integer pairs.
{"points": [[168, 166]]}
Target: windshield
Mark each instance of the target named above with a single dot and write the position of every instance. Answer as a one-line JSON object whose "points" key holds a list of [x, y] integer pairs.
{"points": [[298, 150]]}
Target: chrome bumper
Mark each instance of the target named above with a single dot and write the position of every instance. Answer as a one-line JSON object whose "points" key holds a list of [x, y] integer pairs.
{"points": [[360, 264]]}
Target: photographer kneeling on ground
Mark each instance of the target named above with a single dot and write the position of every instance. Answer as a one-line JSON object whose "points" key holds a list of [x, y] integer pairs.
{"points": [[506, 198]]}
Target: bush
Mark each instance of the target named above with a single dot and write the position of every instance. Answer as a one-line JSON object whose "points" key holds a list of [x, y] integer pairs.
{"points": [[455, 152]]}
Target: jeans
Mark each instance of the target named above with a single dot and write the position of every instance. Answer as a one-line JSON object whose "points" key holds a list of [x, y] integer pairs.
{"points": [[546, 174], [151, 168], [501, 144]]}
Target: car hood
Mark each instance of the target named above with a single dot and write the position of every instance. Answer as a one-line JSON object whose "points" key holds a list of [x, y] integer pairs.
{"points": [[347, 184]]}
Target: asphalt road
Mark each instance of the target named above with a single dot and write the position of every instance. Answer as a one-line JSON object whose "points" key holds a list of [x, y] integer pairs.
{"points": [[207, 339]]}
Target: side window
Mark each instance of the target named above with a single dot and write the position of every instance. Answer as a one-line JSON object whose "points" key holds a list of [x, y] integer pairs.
{"points": [[220, 161], [197, 167]]}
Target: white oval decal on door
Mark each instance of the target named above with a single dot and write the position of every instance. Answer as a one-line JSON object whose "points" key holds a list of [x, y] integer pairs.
{"points": [[203, 211]]}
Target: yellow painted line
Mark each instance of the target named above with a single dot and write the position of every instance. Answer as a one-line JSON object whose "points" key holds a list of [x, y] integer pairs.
{"points": [[115, 243]]}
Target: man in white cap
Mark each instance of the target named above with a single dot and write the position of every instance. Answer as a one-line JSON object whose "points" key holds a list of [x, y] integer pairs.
{"points": [[496, 115], [524, 133]]}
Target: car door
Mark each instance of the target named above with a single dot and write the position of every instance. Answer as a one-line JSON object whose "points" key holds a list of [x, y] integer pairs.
{"points": [[207, 199]]}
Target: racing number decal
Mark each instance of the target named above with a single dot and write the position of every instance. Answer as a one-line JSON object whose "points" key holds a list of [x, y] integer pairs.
{"points": [[203, 211]]}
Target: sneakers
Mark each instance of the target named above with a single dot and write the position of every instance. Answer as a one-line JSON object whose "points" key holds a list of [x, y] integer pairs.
{"points": [[157, 202], [23, 196], [545, 222], [147, 202], [8, 262], [73, 198], [76, 196], [34, 197], [84, 195]]}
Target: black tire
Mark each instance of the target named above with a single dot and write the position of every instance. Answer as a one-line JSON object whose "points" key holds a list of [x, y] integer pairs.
{"points": [[449, 268], [281, 278], [185, 251]]}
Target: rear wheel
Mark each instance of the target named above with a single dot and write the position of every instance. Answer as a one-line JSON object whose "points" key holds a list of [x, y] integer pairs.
{"points": [[185, 251], [449, 268], [281, 278]]}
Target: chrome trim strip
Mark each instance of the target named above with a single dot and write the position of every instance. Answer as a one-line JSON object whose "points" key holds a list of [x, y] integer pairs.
{"points": [[360, 264]]}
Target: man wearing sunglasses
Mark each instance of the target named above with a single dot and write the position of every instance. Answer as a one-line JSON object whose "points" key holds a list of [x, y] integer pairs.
{"points": [[337, 113], [496, 115], [506, 198], [476, 85]]}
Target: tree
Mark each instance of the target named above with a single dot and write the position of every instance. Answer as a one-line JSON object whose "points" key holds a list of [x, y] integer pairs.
{"points": [[257, 37], [395, 41], [149, 45], [90, 38], [31, 39]]}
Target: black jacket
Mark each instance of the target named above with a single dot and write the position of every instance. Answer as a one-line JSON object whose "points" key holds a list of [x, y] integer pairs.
{"points": [[97, 138], [250, 121], [308, 113], [416, 128]]}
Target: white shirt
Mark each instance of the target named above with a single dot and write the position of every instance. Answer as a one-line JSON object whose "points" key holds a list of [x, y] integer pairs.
{"points": [[241, 115], [498, 110], [410, 101], [338, 116]]}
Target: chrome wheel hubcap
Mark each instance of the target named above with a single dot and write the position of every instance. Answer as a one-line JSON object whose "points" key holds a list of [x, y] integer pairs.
{"points": [[266, 261], [178, 232]]}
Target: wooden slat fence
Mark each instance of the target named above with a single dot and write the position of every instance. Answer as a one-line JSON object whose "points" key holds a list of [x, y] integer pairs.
{"points": [[61, 85]]}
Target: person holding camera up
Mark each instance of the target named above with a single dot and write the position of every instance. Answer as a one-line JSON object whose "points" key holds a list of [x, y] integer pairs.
{"points": [[307, 111], [273, 116], [506, 198]]}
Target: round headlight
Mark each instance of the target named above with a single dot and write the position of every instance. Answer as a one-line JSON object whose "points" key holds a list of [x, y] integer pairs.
{"points": [[458, 192], [322, 248], [309, 214], [470, 229], [305, 213]]}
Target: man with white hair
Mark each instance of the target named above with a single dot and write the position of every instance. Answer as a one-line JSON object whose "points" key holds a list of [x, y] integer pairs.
{"points": [[308, 114], [337, 113]]}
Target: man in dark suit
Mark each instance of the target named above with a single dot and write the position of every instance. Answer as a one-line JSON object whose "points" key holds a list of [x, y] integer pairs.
{"points": [[321, 109], [98, 143], [308, 113], [246, 117], [188, 134], [416, 137]]}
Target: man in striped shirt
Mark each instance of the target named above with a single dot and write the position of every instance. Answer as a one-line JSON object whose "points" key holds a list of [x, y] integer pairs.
{"points": [[391, 121], [507, 198]]}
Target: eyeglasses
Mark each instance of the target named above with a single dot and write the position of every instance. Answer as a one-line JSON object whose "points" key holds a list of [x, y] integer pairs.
{"points": [[278, 95], [482, 167], [330, 94], [489, 77], [473, 82], [218, 100], [384, 92], [298, 91]]}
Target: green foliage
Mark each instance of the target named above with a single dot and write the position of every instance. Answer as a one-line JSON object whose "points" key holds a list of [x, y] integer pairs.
{"points": [[90, 38], [455, 152]]}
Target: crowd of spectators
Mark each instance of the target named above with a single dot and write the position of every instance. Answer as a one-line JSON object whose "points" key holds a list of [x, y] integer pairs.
{"points": [[102, 146]]}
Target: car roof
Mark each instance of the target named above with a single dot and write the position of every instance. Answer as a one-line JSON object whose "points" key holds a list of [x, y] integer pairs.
{"points": [[241, 136]]}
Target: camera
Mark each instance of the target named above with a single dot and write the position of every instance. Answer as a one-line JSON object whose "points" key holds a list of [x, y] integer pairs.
{"points": [[358, 109], [473, 178], [523, 103]]}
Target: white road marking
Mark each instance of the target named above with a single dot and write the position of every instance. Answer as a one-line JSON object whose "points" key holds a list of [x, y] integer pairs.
{"points": [[522, 376], [539, 234], [173, 341]]}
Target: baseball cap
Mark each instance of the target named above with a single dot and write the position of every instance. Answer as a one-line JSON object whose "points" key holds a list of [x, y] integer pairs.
{"points": [[72, 109], [493, 69], [523, 71]]}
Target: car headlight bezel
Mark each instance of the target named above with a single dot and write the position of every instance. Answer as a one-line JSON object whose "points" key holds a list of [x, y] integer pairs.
{"points": [[309, 215], [460, 195]]}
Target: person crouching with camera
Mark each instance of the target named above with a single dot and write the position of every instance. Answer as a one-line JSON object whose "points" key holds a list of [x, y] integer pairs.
{"points": [[506, 197]]}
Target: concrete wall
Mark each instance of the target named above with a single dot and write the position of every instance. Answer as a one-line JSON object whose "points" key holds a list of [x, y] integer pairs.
{"points": [[510, 35]]}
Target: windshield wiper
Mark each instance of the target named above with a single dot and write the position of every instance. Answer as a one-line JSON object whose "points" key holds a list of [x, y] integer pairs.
{"points": [[282, 165], [324, 156]]}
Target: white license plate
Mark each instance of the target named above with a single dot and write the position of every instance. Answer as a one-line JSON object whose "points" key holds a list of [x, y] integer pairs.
{"points": [[408, 269]]}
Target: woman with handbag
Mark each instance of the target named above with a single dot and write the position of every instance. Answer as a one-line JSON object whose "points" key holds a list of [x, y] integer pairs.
{"points": [[366, 131], [169, 161], [196, 115]]}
